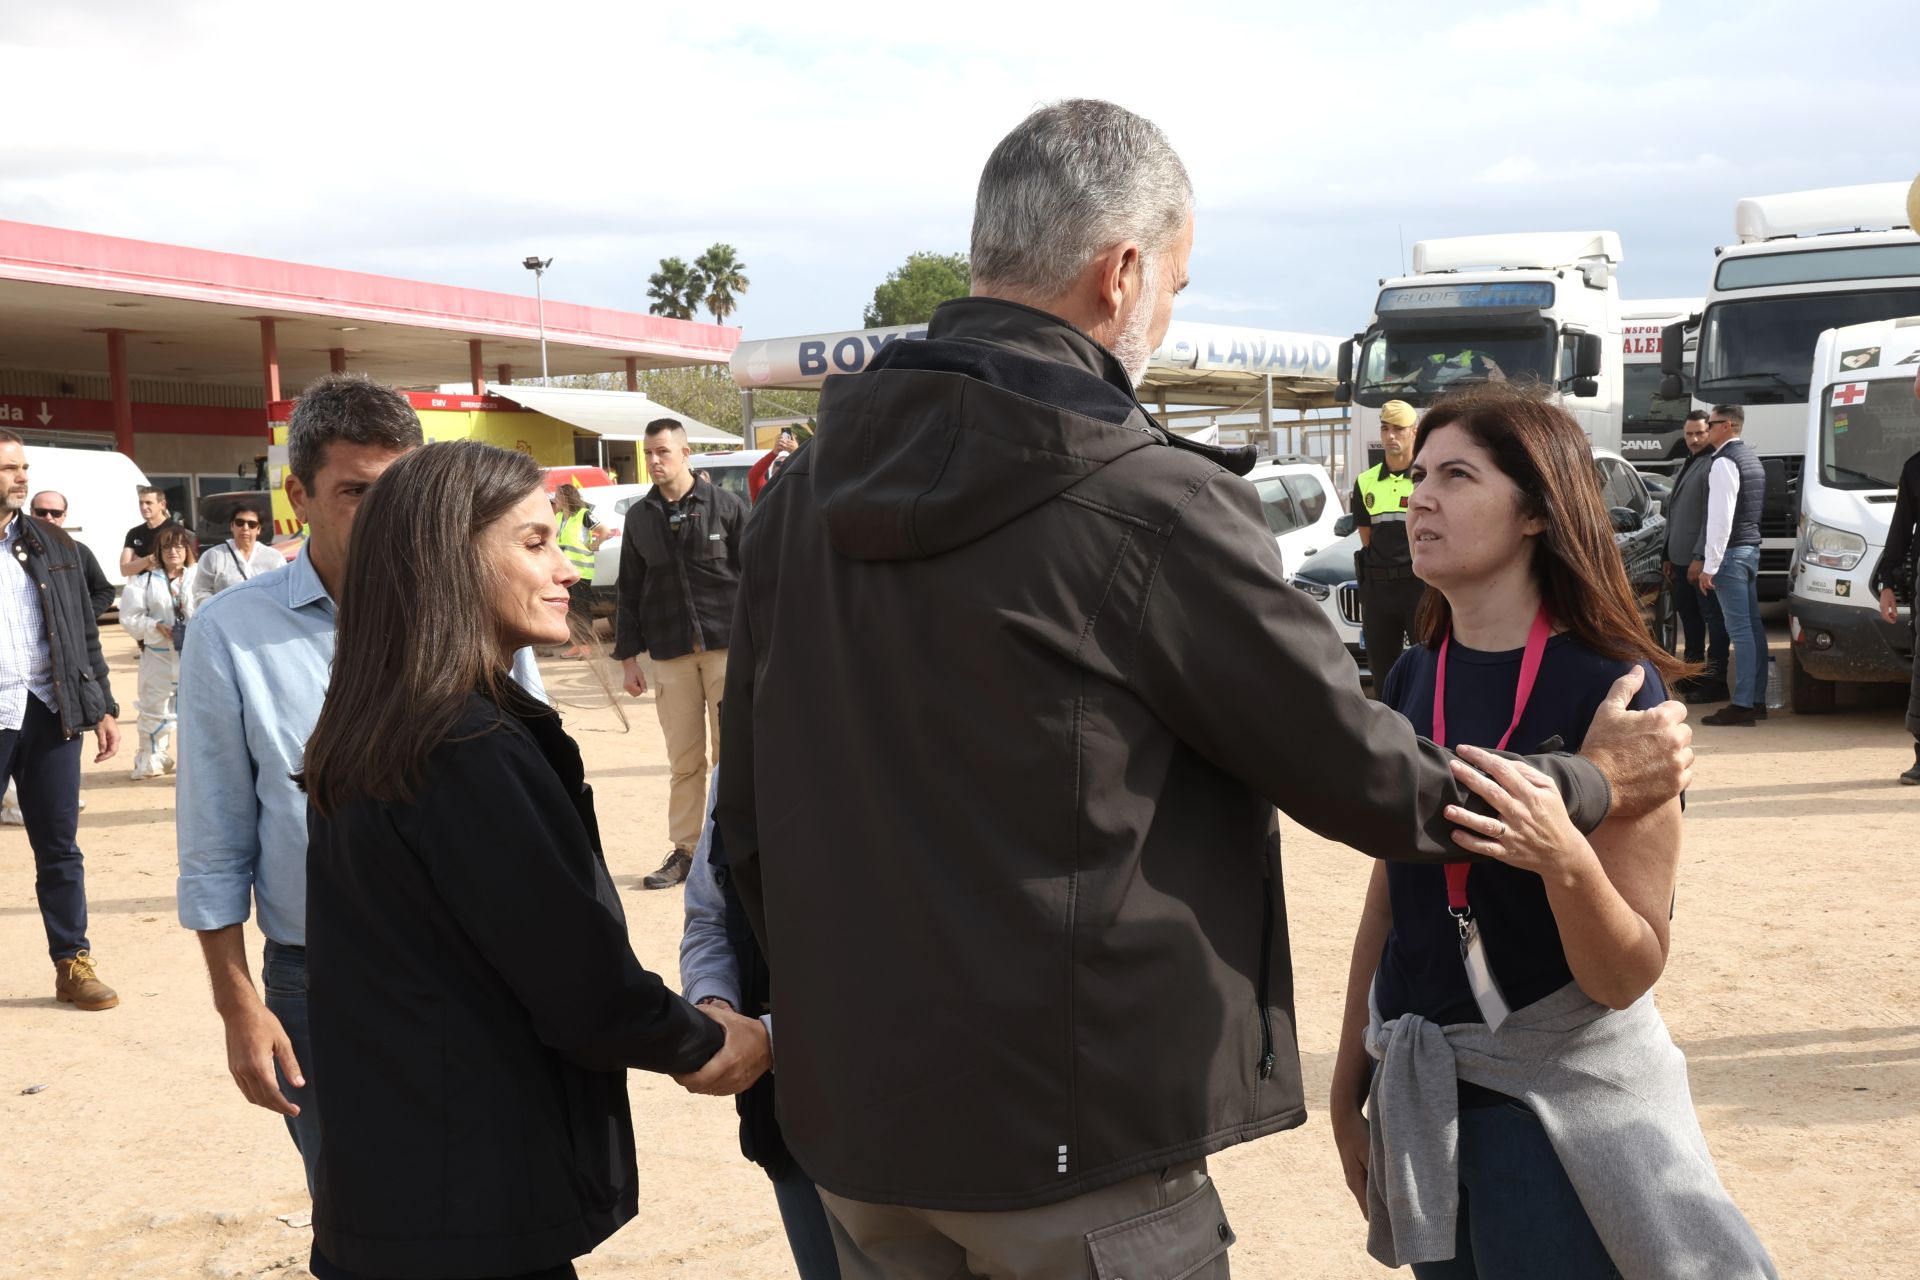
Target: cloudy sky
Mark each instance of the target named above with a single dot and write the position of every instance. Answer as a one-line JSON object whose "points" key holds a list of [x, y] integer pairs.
{"points": [[827, 141]]}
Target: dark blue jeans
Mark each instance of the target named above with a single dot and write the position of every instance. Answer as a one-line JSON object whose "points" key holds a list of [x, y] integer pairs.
{"points": [[283, 972], [47, 764], [1519, 1217], [805, 1218], [1737, 586], [1686, 607]]}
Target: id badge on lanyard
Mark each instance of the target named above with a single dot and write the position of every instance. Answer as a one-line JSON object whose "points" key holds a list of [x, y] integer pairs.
{"points": [[1473, 948]]}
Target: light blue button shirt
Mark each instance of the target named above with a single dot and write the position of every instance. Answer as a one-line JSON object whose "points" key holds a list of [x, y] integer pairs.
{"points": [[251, 684]]}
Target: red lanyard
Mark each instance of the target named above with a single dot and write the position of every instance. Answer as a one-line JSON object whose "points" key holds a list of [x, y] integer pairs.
{"points": [[1529, 672]]}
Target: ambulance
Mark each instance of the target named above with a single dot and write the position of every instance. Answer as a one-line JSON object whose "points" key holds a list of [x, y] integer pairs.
{"points": [[1536, 306], [1863, 423]]}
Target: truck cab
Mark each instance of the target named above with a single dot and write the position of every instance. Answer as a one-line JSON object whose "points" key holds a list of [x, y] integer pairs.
{"points": [[1862, 424], [1803, 262], [1538, 306], [1652, 422]]}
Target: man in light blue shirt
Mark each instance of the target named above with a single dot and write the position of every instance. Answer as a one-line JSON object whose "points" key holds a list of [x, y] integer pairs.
{"points": [[251, 685]]}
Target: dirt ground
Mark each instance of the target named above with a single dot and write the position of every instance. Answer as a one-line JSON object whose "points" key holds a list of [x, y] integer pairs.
{"points": [[1794, 989]]}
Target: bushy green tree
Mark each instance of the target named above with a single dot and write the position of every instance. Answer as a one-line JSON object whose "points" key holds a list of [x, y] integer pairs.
{"points": [[909, 294]]}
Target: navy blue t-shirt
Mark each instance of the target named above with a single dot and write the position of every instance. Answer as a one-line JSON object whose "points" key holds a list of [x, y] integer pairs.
{"points": [[1420, 969]]}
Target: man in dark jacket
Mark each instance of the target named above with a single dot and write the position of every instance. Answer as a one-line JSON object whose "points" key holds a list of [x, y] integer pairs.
{"points": [[679, 573], [1897, 573], [1016, 684], [53, 688], [51, 505], [1703, 635]]}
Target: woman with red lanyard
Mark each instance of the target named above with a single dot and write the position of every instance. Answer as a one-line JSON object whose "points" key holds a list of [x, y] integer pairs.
{"points": [[1526, 1112]]}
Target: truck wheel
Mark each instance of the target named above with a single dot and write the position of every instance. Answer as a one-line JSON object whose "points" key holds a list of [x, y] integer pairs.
{"points": [[1811, 697]]}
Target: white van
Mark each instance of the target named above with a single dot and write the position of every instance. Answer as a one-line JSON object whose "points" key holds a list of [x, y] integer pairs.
{"points": [[1863, 423], [102, 489]]}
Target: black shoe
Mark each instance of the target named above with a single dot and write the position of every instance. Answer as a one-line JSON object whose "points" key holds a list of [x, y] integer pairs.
{"points": [[672, 872], [1709, 691], [1732, 714], [1760, 711], [1912, 776]]}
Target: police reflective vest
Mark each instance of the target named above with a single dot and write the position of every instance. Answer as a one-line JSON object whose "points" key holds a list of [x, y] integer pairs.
{"points": [[1385, 493], [575, 543], [1388, 557]]}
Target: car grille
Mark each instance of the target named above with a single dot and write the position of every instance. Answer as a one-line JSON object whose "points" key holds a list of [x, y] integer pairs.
{"points": [[1780, 513], [1350, 603], [1776, 559]]}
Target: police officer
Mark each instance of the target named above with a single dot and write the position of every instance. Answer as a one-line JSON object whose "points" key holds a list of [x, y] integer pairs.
{"points": [[579, 538], [1389, 593]]}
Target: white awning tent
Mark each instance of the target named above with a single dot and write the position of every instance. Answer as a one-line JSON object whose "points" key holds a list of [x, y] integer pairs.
{"points": [[611, 415]]}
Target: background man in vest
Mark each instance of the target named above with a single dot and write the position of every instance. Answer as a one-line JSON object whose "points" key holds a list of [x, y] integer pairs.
{"points": [[1389, 593], [579, 538], [1736, 486]]}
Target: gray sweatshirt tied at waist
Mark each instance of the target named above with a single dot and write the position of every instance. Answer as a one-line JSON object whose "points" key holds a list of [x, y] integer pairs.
{"points": [[1609, 1088]]}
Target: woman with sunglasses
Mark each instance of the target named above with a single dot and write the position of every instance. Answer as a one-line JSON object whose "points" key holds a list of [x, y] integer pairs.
{"points": [[154, 608], [240, 557], [1526, 1111]]}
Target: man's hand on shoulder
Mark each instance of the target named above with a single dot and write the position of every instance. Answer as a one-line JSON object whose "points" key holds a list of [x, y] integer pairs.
{"points": [[1646, 756]]}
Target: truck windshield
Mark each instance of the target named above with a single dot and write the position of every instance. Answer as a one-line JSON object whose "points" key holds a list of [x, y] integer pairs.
{"points": [[1865, 442], [1760, 351], [1421, 367], [1645, 405]]}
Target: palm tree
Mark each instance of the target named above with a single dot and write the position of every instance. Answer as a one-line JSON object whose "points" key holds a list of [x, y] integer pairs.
{"points": [[725, 277], [676, 289]]}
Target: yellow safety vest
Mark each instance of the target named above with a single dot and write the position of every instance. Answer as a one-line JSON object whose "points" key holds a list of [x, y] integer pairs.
{"points": [[574, 542], [1385, 496]]}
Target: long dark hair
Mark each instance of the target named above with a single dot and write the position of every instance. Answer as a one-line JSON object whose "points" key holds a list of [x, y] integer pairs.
{"points": [[416, 622], [1576, 565]]}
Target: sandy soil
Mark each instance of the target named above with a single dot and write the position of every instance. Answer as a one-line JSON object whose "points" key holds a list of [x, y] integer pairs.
{"points": [[1794, 989]]}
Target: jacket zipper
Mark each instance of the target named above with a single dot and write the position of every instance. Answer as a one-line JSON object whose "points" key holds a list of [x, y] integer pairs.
{"points": [[1266, 1062]]}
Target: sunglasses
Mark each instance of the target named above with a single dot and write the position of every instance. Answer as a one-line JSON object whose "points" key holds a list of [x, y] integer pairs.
{"points": [[49, 513], [246, 524]]}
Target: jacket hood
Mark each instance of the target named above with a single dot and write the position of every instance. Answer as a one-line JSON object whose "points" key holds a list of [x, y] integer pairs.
{"points": [[942, 441]]}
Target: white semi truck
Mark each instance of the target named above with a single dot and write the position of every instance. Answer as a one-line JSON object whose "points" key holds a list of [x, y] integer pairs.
{"points": [[1538, 306], [1652, 423], [1862, 424], [1803, 263]]}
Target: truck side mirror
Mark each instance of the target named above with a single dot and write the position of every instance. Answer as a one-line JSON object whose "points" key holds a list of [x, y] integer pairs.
{"points": [[1625, 519], [1345, 373], [1587, 356], [1586, 388], [1671, 388], [1673, 351], [1343, 526]]}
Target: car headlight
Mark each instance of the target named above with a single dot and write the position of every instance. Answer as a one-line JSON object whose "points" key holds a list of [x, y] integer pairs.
{"points": [[1832, 548], [1318, 590]]}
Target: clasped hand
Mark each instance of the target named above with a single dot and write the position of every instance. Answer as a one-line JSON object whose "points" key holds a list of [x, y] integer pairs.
{"points": [[1529, 826], [745, 1055]]}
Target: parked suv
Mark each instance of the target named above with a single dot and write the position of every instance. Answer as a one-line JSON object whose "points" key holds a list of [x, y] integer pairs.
{"points": [[1639, 530], [1297, 496]]}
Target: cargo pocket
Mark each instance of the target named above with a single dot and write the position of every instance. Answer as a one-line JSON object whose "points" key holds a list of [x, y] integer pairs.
{"points": [[1186, 1239]]}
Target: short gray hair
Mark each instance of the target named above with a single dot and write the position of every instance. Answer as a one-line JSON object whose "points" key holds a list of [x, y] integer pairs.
{"points": [[350, 407], [1071, 180]]}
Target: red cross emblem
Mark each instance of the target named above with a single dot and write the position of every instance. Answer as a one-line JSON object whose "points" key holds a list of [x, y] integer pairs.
{"points": [[1850, 393]]}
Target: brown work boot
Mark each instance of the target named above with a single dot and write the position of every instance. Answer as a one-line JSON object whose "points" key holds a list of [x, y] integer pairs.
{"points": [[76, 983], [672, 872]]}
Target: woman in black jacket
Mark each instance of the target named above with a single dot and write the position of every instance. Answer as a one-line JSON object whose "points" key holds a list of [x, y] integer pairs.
{"points": [[474, 998]]}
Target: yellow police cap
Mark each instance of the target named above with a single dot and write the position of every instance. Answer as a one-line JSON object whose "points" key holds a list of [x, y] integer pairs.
{"points": [[1396, 413]]}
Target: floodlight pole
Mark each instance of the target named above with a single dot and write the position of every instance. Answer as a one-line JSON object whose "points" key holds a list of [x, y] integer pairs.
{"points": [[539, 266]]}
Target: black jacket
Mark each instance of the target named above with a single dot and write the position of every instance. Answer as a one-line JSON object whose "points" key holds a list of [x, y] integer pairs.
{"points": [[101, 592], [80, 686], [1016, 682], [1896, 566], [474, 1006], [677, 586]]}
